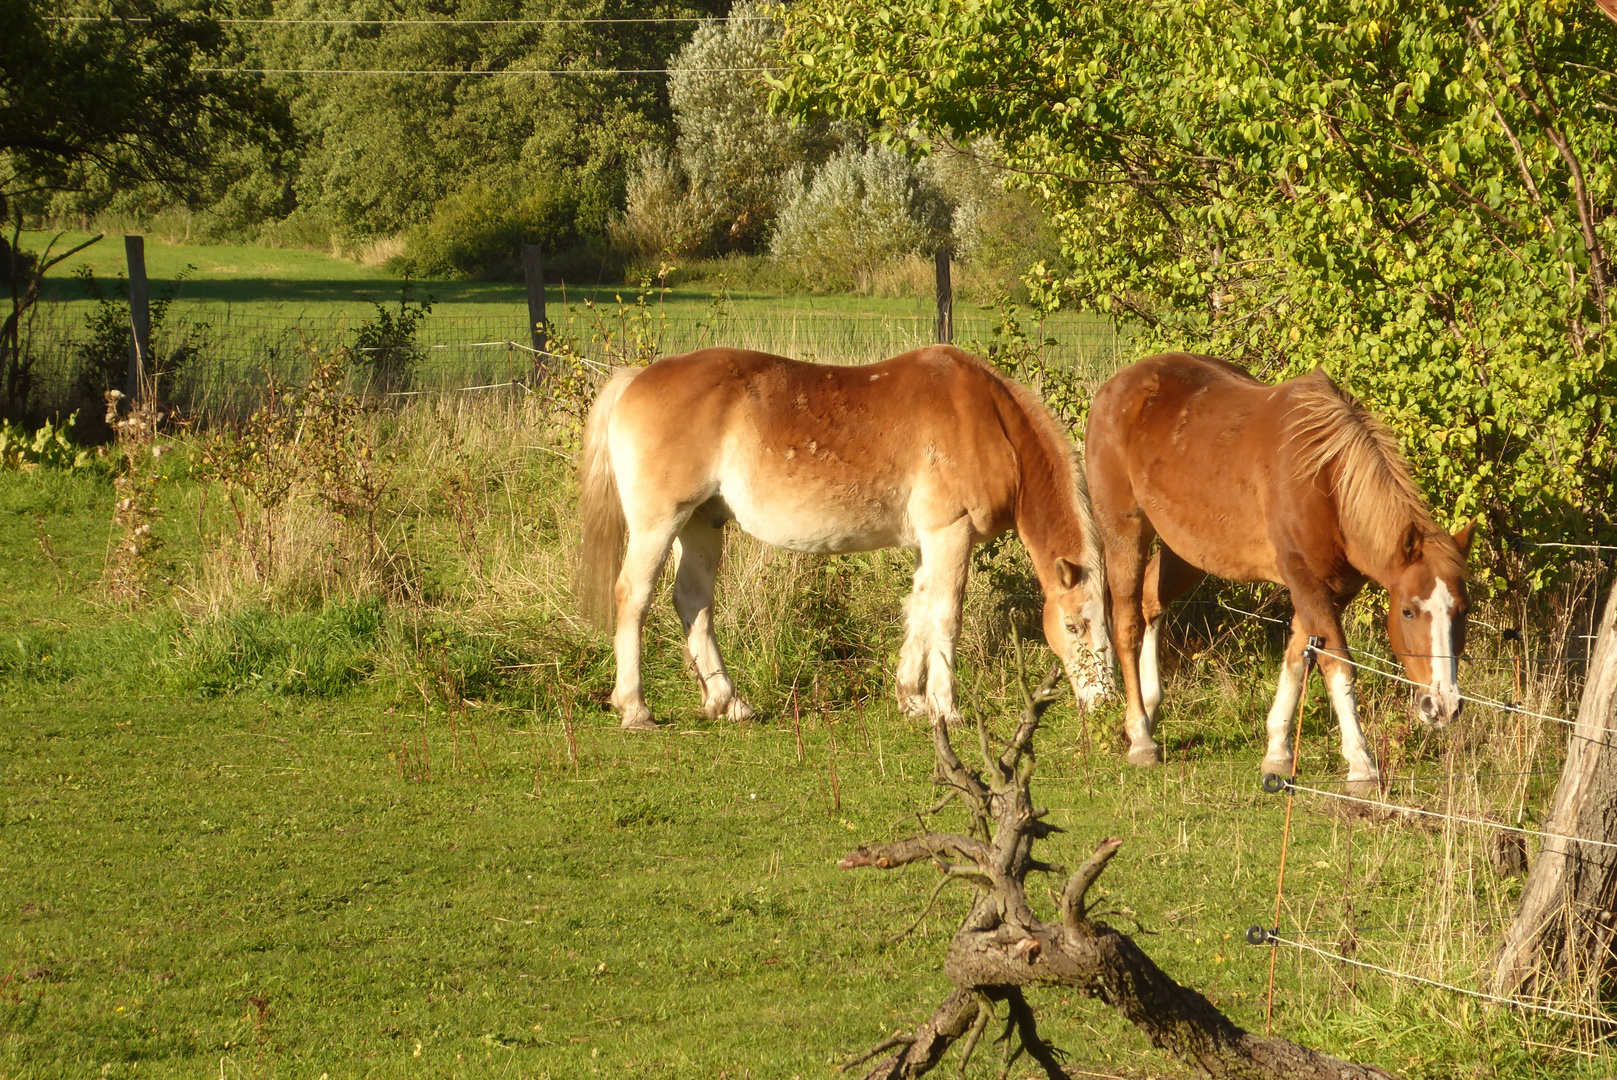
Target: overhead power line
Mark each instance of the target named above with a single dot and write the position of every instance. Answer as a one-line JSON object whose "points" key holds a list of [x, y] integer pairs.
{"points": [[502, 71], [444, 22]]}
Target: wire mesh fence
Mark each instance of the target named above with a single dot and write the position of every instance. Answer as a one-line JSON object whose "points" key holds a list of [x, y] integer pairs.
{"points": [[221, 356]]}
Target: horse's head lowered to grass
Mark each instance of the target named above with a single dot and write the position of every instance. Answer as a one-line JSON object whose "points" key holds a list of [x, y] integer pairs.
{"points": [[1075, 629], [1426, 616]]}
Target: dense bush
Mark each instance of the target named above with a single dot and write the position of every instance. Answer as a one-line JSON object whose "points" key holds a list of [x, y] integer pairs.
{"points": [[1417, 197], [864, 208], [665, 216], [479, 232]]}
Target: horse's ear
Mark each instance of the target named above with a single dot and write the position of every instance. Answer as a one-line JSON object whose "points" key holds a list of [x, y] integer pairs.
{"points": [[1462, 538], [1068, 575], [1412, 543]]}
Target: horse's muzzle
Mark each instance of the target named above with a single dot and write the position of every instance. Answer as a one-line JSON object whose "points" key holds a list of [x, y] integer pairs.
{"points": [[1091, 682], [1439, 710]]}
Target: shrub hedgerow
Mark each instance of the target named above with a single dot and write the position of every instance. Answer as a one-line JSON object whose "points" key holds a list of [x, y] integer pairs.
{"points": [[864, 208]]}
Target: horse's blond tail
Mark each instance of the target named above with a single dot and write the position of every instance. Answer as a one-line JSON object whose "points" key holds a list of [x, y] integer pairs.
{"points": [[605, 530]]}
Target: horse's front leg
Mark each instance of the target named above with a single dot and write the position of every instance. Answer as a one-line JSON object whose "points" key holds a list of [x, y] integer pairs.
{"points": [[947, 552], [1363, 778], [696, 562], [1288, 690], [648, 548], [1319, 615]]}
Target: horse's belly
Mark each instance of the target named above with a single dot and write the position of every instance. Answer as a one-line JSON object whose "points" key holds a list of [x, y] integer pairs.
{"points": [[820, 526], [1233, 556], [822, 536]]}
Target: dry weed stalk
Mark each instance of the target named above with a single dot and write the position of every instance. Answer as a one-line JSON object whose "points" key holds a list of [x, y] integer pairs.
{"points": [[309, 490], [137, 464], [1002, 947]]}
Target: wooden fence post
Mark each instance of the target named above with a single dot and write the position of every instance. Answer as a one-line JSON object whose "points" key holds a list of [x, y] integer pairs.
{"points": [[533, 276], [1564, 923], [140, 317], [945, 299]]}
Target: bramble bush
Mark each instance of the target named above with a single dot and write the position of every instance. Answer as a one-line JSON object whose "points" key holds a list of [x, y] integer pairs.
{"points": [[385, 346], [103, 354]]}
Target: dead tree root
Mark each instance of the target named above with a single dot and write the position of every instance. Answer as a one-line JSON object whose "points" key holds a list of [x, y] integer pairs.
{"points": [[1002, 948]]}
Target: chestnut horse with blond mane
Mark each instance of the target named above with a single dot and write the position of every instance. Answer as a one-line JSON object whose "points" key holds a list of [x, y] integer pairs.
{"points": [[932, 450], [1293, 483]]}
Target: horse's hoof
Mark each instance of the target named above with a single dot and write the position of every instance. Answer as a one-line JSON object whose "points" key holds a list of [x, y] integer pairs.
{"points": [[1276, 766], [1145, 755], [636, 717], [913, 707], [952, 719], [739, 711], [1363, 787]]}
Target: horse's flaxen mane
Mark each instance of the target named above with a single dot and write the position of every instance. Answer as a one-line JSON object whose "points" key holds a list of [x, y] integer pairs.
{"points": [[1064, 453], [1376, 495]]}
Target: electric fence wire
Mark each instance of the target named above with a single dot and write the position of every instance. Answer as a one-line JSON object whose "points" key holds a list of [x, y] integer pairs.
{"points": [[1292, 785], [1501, 705], [1269, 937]]}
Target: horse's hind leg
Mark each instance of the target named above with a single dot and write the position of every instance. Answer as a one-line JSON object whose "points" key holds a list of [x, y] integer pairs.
{"points": [[947, 555], [1167, 578], [912, 656], [1131, 534], [648, 549], [1289, 688], [696, 561]]}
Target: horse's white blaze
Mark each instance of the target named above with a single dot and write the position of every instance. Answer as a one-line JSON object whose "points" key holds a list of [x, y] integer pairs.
{"points": [[1089, 655], [1445, 688]]}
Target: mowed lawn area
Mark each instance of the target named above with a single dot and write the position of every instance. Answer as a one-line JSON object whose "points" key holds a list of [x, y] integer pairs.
{"points": [[265, 883]]}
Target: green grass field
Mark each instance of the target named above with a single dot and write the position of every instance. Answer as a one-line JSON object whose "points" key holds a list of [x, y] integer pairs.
{"points": [[265, 834]]}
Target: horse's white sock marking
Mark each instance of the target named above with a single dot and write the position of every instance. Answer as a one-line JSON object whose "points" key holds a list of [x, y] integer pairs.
{"points": [[1150, 675], [1361, 766], [912, 657], [1288, 690]]}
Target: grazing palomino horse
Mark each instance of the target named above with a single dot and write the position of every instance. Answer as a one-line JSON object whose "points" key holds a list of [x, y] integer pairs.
{"points": [[931, 450], [1295, 484]]}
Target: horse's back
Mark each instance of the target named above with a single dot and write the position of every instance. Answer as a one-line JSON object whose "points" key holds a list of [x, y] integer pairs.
{"points": [[1199, 446], [818, 456]]}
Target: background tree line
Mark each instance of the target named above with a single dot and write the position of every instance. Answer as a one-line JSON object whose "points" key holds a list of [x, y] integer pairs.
{"points": [[448, 174]]}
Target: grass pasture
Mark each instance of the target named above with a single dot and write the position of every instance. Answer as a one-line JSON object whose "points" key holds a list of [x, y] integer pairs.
{"points": [[344, 800], [305, 822]]}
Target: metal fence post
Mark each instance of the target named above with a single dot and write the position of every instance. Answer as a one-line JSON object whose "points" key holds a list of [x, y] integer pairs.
{"points": [[945, 299], [533, 276], [140, 316]]}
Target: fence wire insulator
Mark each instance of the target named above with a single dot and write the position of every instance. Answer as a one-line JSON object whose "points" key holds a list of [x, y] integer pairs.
{"points": [[1257, 935], [1274, 783], [1311, 650]]}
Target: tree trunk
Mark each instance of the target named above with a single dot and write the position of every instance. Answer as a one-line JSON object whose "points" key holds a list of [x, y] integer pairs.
{"points": [[1565, 923]]}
